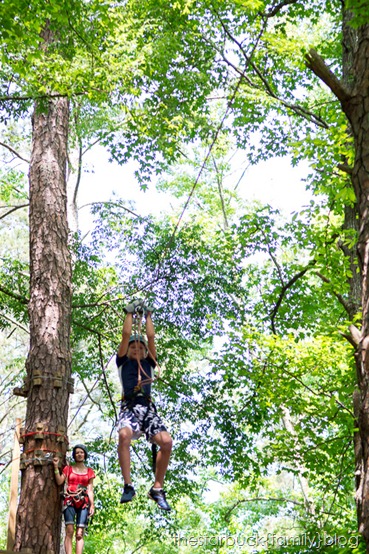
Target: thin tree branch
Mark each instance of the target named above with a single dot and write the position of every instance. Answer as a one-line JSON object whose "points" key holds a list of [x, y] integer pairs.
{"points": [[274, 259], [210, 149], [138, 548], [345, 448], [14, 152], [90, 330], [14, 295], [96, 142], [331, 440], [220, 190], [274, 11], [299, 110], [89, 391], [85, 419], [103, 367], [17, 98], [284, 290], [8, 380], [78, 182], [345, 168], [298, 459], [15, 323], [79, 167], [318, 66], [321, 392], [110, 204], [84, 400], [260, 499], [339, 297], [13, 209]]}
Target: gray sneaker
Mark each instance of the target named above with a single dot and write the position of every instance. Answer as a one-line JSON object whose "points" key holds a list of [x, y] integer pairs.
{"points": [[159, 498], [128, 493]]}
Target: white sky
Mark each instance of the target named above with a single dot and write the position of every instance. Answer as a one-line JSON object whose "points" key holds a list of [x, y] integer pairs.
{"points": [[274, 182]]}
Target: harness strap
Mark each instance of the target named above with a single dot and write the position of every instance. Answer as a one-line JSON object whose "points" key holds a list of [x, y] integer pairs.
{"points": [[130, 399], [79, 493]]}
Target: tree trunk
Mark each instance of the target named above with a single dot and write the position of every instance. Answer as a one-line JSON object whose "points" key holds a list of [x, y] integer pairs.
{"points": [[353, 93], [349, 49], [48, 364], [357, 111]]}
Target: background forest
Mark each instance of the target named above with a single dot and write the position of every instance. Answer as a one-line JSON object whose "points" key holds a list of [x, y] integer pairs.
{"points": [[252, 303]]}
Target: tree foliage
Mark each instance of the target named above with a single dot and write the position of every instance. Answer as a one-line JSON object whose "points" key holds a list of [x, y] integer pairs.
{"points": [[250, 308]]}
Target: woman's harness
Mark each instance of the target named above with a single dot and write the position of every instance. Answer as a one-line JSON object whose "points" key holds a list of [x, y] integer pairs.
{"points": [[78, 498]]}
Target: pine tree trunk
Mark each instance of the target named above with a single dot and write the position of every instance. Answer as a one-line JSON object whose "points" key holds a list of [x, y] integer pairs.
{"points": [[49, 360]]}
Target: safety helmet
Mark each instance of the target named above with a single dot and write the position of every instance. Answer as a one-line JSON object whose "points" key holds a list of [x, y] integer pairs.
{"points": [[137, 338], [82, 447]]}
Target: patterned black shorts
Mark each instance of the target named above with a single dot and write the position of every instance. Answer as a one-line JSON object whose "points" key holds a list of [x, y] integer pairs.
{"points": [[141, 419]]}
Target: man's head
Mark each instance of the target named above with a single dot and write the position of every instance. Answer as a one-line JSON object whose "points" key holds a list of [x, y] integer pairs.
{"points": [[137, 348]]}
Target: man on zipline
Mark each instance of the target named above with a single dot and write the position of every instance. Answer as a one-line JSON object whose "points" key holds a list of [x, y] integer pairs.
{"points": [[136, 360]]}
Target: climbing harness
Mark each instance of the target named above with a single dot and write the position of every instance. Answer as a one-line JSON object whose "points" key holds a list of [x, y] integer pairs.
{"points": [[77, 498], [143, 378], [129, 401]]}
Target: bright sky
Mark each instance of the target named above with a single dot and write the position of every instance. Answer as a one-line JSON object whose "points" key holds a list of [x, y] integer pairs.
{"points": [[274, 182]]}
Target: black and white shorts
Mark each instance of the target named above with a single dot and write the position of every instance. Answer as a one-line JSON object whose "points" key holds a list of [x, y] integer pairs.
{"points": [[141, 419]]}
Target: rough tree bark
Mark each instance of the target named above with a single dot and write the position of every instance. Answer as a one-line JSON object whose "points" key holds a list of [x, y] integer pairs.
{"points": [[48, 365], [357, 111], [353, 93]]}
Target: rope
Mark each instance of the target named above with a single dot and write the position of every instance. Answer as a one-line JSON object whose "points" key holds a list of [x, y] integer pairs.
{"points": [[157, 365], [43, 433], [42, 450], [106, 380]]}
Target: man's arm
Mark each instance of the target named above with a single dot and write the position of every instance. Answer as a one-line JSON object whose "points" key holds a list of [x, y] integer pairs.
{"points": [[126, 333], [150, 333]]}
